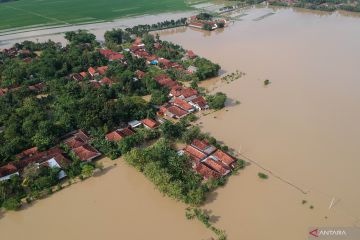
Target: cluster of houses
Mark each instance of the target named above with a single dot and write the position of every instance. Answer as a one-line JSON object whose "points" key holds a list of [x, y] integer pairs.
{"points": [[207, 160], [78, 143], [138, 50], [195, 22], [26, 55], [183, 100], [38, 87], [129, 130]]}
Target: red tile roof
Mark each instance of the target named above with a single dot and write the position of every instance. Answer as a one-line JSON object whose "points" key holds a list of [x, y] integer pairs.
{"points": [[150, 123], [194, 152], [138, 41], [217, 166], [119, 134], [86, 152], [8, 170], [77, 139], [92, 71], [206, 172], [102, 70], [139, 74], [182, 104], [106, 81], [225, 158], [188, 92], [200, 144], [110, 55], [165, 80], [27, 153], [178, 91], [191, 54], [178, 112], [105, 52], [115, 56], [83, 74], [200, 101]]}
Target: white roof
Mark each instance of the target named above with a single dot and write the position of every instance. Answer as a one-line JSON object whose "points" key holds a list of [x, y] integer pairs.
{"points": [[8, 176], [52, 164], [134, 123]]}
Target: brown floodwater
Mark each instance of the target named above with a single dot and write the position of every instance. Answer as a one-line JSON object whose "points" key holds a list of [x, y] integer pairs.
{"points": [[303, 128], [118, 204]]}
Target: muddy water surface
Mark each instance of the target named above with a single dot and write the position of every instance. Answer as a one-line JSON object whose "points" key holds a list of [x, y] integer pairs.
{"points": [[303, 127]]}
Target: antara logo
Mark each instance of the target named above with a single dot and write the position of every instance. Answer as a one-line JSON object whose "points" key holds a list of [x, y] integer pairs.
{"points": [[314, 233], [331, 232]]}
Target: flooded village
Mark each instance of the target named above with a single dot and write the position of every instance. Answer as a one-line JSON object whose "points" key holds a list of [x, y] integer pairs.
{"points": [[300, 131]]}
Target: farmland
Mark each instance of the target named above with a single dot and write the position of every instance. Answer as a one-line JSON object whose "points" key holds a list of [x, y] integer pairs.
{"points": [[38, 13]]}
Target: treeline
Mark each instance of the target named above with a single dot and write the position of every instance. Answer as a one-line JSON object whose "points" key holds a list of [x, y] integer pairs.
{"points": [[140, 30]]}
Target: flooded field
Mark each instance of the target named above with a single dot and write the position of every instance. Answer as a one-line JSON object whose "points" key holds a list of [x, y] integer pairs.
{"points": [[303, 128]]}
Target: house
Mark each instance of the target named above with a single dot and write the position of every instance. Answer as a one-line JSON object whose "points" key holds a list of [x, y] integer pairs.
{"points": [[165, 80], [183, 93], [203, 146], [92, 72], [175, 112], [27, 153], [151, 59], [225, 158], [3, 91], [37, 87], [7, 171], [95, 84], [191, 54], [106, 81], [196, 24], [33, 156], [219, 167], [77, 77], [183, 105], [111, 55], [150, 123], [199, 103], [115, 56], [57, 161], [188, 94], [165, 62], [83, 74], [206, 172], [157, 46], [138, 42], [102, 70], [134, 124], [139, 74], [119, 134], [78, 142], [86, 153], [194, 153]]}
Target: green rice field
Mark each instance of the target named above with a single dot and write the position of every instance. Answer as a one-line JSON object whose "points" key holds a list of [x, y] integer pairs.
{"points": [[38, 13]]}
